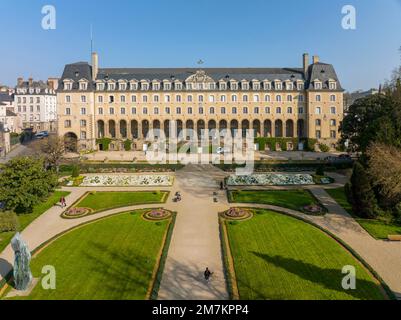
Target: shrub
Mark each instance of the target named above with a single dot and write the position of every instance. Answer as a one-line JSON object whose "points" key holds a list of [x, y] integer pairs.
{"points": [[364, 203], [127, 145], [105, 142], [320, 171], [75, 171], [8, 221], [324, 148]]}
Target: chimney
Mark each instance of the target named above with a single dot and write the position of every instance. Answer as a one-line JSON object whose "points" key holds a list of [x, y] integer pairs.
{"points": [[30, 82], [306, 62], [20, 81], [315, 59], [52, 83], [95, 65]]}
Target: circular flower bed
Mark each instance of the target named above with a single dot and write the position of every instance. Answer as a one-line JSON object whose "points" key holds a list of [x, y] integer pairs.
{"points": [[77, 212], [157, 214], [313, 209], [237, 214]]}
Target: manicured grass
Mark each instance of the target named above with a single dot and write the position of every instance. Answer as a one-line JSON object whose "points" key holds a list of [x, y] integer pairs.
{"points": [[340, 197], [376, 228], [379, 229], [281, 258], [26, 219], [291, 199], [100, 201], [112, 259]]}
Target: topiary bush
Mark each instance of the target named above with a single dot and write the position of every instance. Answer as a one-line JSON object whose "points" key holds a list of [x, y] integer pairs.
{"points": [[127, 145], [75, 171], [8, 221]]}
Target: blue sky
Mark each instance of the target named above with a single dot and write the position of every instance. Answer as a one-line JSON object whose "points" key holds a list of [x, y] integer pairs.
{"points": [[223, 33]]}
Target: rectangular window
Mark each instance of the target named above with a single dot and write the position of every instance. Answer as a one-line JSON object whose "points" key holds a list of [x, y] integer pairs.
{"points": [[333, 110], [67, 111], [333, 134], [122, 99], [178, 110], [133, 99], [111, 110], [68, 99], [67, 123], [100, 99], [156, 111], [100, 111], [133, 110], [223, 110], [83, 99], [122, 110], [83, 135], [145, 111], [318, 134], [168, 110], [82, 123], [189, 110]]}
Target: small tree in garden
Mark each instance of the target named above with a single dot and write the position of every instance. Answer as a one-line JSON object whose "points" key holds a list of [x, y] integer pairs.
{"points": [[364, 202], [24, 182], [52, 149], [75, 171]]}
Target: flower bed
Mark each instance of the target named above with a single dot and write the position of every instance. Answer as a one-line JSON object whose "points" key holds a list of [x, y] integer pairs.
{"points": [[157, 214], [314, 210], [270, 179], [77, 212], [127, 181], [237, 214]]}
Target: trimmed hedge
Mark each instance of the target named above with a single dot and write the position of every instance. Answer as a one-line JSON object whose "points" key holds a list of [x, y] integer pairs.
{"points": [[134, 167], [309, 144], [127, 145]]}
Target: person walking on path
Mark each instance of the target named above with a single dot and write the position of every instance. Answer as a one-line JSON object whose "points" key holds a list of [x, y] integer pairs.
{"points": [[63, 202], [207, 274]]}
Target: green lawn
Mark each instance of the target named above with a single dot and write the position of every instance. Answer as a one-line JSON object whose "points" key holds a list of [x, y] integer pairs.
{"points": [[292, 199], [281, 258], [26, 219], [112, 259], [376, 228], [100, 201], [340, 197]]}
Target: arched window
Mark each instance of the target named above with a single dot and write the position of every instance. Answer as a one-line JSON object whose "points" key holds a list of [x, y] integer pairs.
{"points": [[278, 98]]}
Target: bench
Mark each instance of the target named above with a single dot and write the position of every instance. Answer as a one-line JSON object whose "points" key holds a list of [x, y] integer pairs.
{"points": [[394, 237]]}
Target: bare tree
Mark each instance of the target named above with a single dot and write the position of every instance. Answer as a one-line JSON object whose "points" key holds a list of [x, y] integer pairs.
{"points": [[385, 169], [52, 149]]}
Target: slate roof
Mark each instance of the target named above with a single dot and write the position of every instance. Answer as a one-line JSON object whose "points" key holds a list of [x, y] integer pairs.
{"points": [[5, 97], [82, 70]]}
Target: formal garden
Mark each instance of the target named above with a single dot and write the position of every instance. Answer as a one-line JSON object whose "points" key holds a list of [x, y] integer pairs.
{"points": [[277, 257], [120, 257], [298, 200], [95, 202]]}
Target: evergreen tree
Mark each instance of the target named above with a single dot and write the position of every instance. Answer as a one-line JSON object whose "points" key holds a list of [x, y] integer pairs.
{"points": [[364, 203]]}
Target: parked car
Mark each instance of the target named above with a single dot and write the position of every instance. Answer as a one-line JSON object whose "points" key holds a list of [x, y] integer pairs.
{"points": [[41, 135]]}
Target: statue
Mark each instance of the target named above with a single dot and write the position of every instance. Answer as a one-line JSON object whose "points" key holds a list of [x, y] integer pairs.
{"points": [[22, 272]]}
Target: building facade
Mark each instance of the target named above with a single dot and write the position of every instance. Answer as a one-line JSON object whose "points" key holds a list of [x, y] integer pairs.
{"points": [[9, 120], [36, 104], [124, 104]]}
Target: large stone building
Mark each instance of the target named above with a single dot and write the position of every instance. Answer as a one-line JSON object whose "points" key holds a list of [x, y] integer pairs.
{"points": [[123, 104], [36, 104]]}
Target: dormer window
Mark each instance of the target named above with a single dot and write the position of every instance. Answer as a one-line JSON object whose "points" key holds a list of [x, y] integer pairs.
{"points": [[234, 85], [289, 86], [278, 85], [83, 86], [267, 85], [256, 85], [244, 85], [167, 86], [178, 86], [223, 85], [134, 85], [332, 85], [122, 86], [156, 86], [144, 86], [300, 85], [111, 86], [318, 85], [67, 85], [100, 86]]}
